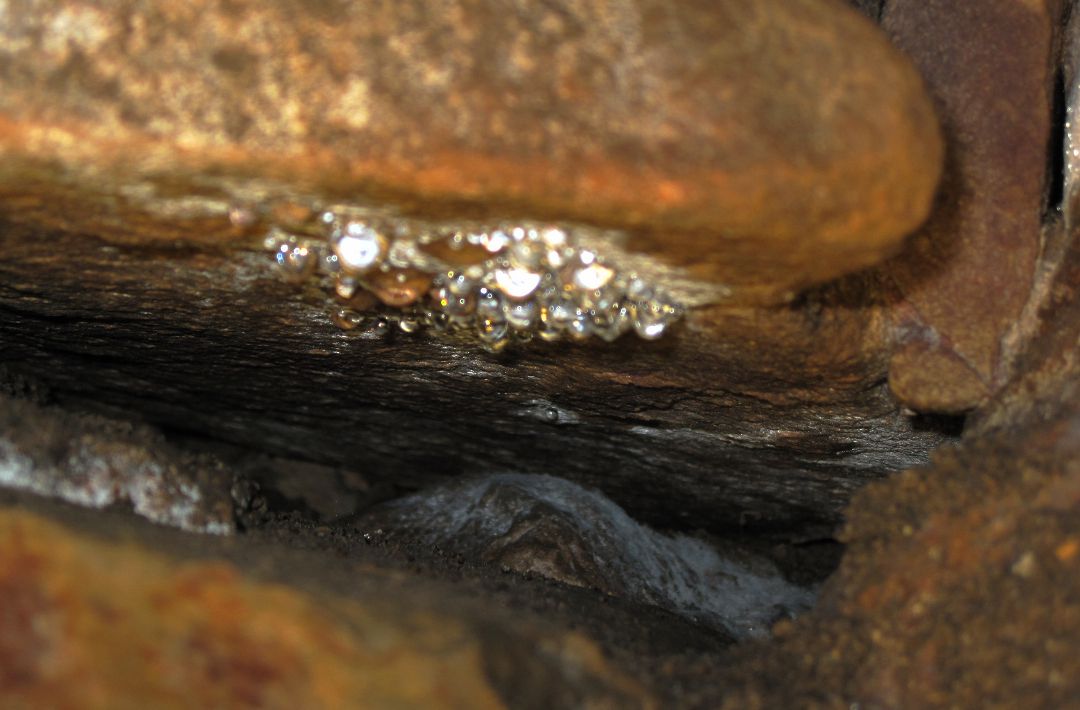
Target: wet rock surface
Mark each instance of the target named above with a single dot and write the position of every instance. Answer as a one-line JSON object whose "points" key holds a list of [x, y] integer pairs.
{"points": [[804, 144], [739, 139], [131, 135], [194, 331]]}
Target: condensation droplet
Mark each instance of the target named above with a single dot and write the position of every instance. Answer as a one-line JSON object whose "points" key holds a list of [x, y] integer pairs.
{"points": [[359, 248], [505, 283], [522, 316], [346, 319], [345, 287], [517, 283], [295, 261]]}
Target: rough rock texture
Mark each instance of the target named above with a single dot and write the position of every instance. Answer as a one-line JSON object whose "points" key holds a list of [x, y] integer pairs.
{"points": [[968, 277], [763, 146], [99, 462], [105, 623], [767, 145], [184, 325], [960, 585], [551, 528]]}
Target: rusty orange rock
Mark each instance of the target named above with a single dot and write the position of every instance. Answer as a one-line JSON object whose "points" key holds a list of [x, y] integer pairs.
{"points": [[763, 144], [95, 624]]}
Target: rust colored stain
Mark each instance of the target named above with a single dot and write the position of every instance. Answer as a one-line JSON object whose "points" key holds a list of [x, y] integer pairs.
{"points": [[98, 625], [767, 144]]}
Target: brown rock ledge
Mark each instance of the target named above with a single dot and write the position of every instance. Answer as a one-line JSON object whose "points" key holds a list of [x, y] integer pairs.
{"points": [[766, 145]]}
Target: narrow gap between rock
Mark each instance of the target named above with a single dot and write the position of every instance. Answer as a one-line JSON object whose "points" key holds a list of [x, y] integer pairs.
{"points": [[1056, 151]]}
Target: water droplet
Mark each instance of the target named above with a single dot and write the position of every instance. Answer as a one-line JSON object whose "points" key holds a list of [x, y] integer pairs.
{"points": [[457, 307], [527, 255], [409, 325], [440, 322], [459, 284], [553, 237], [488, 305], [494, 334], [578, 328], [496, 241], [522, 316], [359, 248], [346, 319], [611, 322], [345, 287], [638, 289], [295, 260], [561, 312], [652, 319], [381, 327], [398, 288], [517, 283], [549, 332], [593, 277]]}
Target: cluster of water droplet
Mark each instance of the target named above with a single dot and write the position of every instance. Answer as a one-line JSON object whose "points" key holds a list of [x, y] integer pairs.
{"points": [[503, 284]]}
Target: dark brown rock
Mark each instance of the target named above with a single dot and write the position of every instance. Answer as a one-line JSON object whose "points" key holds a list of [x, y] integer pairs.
{"points": [[960, 586], [765, 146], [765, 419], [967, 277]]}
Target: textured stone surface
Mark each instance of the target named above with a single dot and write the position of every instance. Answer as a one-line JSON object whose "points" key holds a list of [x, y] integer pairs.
{"points": [[960, 585], [98, 462], [764, 419], [767, 145], [106, 622], [551, 528], [966, 278]]}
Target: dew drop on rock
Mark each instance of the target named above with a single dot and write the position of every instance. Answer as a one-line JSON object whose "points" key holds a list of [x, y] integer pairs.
{"points": [[359, 248], [652, 319], [346, 319], [494, 334], [345, 287], [522, 316], [517, 283], [295, 261], [488, 305]]}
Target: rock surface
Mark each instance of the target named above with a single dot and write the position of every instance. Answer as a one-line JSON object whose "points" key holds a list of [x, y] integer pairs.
{"points": [[764, 419], [960, 586], [99, 462], [104, 621], [967, 280], [764, 145], [747, 143], [551, 528]]}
